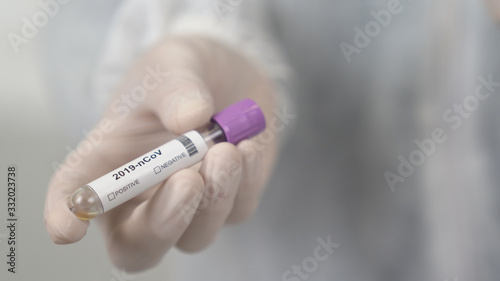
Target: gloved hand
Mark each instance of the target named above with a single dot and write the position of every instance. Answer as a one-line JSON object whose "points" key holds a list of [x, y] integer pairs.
{"points": [[494, 7], [187, 79]]}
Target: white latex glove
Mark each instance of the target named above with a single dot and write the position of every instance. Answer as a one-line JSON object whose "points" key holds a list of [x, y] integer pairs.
{"points": [[198, 78]]}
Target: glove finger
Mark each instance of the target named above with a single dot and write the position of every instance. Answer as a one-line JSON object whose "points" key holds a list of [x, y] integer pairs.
{"points": [[221, 172], [139, 240], [252, 182]]}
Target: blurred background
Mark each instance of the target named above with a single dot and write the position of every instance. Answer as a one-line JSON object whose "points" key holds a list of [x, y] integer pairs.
{"points": [[32, 139]]}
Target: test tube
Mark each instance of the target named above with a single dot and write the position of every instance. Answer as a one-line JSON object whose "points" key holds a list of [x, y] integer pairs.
{"points": [[235, 123]]}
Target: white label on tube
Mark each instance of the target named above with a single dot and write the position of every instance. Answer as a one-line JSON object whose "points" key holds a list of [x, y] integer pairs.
{"points": [[148, 170]]}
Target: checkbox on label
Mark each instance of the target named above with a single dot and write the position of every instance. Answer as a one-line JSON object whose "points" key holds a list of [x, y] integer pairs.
{"points": [[111, 196], [157, 169]]}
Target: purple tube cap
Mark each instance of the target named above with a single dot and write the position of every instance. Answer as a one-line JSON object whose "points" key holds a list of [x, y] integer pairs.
{"points": [[241, 120]]}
